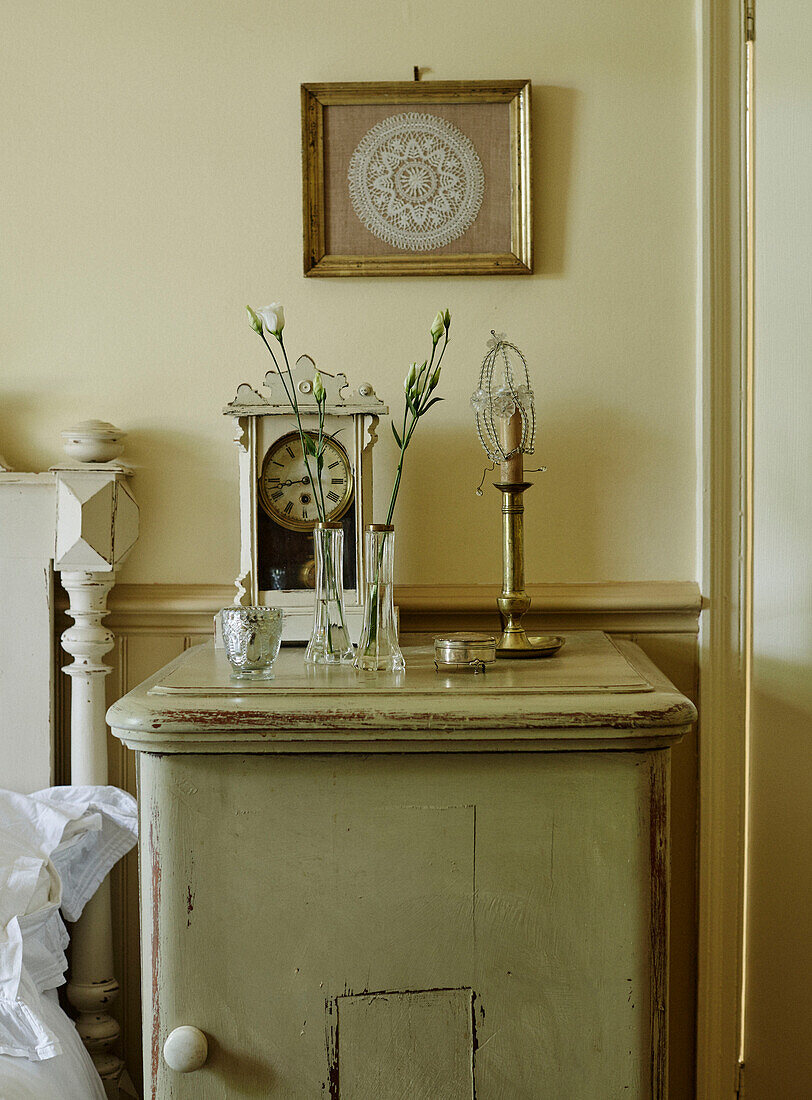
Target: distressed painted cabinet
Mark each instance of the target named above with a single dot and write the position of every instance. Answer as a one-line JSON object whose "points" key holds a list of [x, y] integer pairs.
{"points": [[374, 887]]}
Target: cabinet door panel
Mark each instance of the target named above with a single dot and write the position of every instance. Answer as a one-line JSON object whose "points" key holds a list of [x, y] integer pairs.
{"points": [[439, 925]]}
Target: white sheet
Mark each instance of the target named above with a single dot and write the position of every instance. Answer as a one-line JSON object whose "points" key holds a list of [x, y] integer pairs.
{"points": [[71, 1076], [56, 847]]}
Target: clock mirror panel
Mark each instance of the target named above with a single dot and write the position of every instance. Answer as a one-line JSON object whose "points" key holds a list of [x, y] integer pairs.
{"points": [[286, 558]]}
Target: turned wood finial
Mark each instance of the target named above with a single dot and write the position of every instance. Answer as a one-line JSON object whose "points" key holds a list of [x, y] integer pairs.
{"points": [[93, 441]]}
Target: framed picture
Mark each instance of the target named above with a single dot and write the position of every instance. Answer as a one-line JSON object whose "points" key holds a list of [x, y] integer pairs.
{"points": [[417, 178]]}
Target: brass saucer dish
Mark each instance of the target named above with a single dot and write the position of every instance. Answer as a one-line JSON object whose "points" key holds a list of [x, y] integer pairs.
{"points": [[539, 645]]}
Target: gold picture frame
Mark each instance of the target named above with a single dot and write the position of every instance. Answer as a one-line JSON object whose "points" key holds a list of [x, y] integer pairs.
{"points": [[367, 228]]}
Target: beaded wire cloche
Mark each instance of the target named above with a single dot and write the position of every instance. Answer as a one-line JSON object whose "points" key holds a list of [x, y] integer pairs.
{"points": [[504, 387]]}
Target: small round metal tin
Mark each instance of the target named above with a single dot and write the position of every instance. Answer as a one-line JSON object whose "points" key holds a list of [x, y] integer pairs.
{"points": [[464, 652]]}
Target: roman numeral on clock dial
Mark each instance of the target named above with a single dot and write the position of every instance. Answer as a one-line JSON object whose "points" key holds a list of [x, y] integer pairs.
{"points": [[289, 488]]}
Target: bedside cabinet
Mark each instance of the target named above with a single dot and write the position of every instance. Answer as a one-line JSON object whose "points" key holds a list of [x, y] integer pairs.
{"points": [[364, 886]]}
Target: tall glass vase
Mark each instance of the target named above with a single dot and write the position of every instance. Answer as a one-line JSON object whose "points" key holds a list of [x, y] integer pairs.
{"points": [[330, 639], [378, 650]]}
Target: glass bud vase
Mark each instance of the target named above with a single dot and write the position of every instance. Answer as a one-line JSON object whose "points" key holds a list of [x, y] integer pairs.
{"points": [[330, 639], [378, 650]]}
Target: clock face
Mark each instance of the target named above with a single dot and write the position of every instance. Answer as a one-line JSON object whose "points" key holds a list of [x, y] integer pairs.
{"points": [[286, 492]]}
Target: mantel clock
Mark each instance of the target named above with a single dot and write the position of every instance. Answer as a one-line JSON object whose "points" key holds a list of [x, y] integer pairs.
{"points": [[277, 500]]}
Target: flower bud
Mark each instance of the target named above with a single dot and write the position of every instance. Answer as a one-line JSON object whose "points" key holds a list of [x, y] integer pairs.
{"points": [[435, 378], [422, 379], [408, 381], [256, 324], [318, 388], [273, 317], [447, 320], [437, 327]]}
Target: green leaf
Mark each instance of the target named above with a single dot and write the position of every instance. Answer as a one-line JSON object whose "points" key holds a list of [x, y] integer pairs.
{"points": [[319, 462], [411, 405], [309, 444], [395, 434], [428, 405]]}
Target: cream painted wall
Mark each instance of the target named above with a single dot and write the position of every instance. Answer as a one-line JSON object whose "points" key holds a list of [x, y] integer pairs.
{"points": [[151, 187]]}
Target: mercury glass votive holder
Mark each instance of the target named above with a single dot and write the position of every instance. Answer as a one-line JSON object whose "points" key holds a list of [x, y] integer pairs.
{"points": [[252, 637]]}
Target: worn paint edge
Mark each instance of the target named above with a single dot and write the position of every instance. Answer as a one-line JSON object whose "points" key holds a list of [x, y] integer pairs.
{"points": [[155, 950], [658, 921]]}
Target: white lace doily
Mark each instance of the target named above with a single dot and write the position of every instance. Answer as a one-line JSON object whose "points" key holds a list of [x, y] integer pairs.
{"points": [[416, 181]]}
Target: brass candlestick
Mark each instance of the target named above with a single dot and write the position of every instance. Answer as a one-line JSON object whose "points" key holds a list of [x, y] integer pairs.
{"points": [[514, 601], [505, 416]]}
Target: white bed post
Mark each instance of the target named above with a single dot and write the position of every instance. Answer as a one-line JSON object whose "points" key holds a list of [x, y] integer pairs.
{"points": [[96, 527]]}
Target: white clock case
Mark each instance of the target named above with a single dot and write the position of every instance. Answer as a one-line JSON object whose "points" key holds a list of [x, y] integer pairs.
{"points": [[259, 419]]}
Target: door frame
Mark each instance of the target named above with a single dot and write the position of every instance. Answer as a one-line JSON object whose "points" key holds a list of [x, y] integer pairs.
{"points": [[725, 550]]}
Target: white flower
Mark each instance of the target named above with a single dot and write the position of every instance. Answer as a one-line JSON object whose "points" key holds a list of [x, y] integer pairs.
{"points": [[318, 388], [273, 317], [409, 380], [438, 327]]}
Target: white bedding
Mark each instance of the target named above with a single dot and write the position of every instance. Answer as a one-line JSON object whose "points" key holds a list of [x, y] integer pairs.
{"points": [[70, 1076], [56, 847]]}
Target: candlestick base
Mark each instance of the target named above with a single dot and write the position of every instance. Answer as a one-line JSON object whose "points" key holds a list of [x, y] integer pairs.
{"points": [[517, 643]]}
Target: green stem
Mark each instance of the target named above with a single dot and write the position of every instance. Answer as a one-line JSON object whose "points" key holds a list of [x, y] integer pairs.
{"points": [[331, 586], [320, 486], [396, 486], [419, 402], [295, 404], [406, 436]]}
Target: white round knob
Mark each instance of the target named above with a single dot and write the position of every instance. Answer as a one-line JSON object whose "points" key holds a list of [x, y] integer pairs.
{"points": [[186, 1049]]}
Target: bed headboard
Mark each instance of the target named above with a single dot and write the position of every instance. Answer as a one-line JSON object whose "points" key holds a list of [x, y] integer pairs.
{"points": [[79, 520], [27, 659]]}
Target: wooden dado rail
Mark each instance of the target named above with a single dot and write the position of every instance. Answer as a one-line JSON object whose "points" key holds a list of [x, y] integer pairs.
{"points": [[629, 607]]}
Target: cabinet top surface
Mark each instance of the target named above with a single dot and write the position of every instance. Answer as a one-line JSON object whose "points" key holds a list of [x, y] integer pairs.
{"points": [[594, 690]]}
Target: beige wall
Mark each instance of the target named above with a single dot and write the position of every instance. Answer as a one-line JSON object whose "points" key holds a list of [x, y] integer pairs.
{"points": [[152, 187]]}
